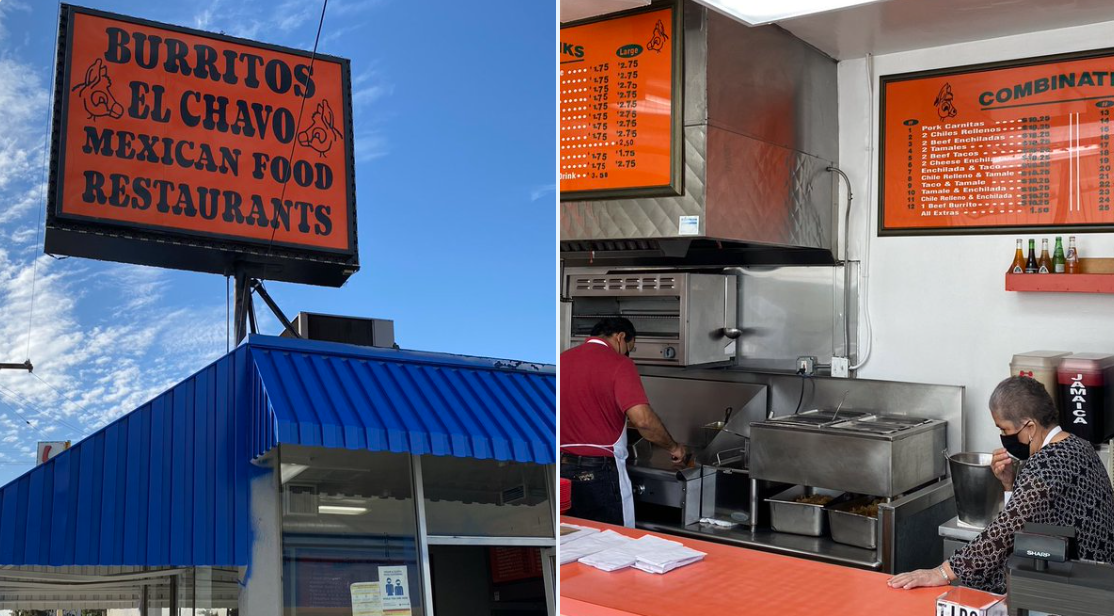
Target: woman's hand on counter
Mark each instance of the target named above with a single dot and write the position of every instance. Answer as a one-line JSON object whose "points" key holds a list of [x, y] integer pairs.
{"points": [[940, 576], [1003, 468]]}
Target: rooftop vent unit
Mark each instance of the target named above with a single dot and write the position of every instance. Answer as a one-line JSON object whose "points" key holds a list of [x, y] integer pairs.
{"points": [[348, 330]]}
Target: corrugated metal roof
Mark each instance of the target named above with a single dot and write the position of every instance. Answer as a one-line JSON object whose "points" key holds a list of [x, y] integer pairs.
{"points": [[388, 400], [168, 484]]}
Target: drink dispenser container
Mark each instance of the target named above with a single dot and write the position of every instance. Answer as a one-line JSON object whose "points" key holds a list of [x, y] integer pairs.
{"points": [[1041, 367], [1086, 408]]}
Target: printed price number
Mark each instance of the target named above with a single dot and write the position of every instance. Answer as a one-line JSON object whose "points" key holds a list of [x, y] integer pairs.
{"points": [[1103, 193]]}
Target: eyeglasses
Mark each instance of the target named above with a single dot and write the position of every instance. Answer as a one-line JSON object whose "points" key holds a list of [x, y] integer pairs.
{"points": [[1025, 423]]}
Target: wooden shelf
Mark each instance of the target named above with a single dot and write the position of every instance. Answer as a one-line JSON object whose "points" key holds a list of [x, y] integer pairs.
{"points": [[1061, 283]]}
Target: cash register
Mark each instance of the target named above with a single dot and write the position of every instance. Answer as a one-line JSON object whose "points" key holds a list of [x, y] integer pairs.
{"points": [[1044, 575]]}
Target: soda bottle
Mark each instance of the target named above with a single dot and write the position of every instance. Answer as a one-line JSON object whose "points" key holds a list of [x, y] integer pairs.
{"points": [[1044, 263], [1031, 262], [1058, 261], [1018, 266], [1072, 260]]}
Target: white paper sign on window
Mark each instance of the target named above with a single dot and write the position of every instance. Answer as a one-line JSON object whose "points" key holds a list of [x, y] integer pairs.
{"points": [[394, 591], [366, 599]]}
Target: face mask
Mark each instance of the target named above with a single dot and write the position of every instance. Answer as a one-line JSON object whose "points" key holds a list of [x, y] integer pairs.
{"points": [[1014, 445]]}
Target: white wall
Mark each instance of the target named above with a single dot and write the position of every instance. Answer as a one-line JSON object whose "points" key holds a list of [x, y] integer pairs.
{"points": [[938, 306]]}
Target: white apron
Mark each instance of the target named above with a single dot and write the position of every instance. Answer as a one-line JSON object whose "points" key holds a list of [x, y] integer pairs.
{"points": [[619, 449]]}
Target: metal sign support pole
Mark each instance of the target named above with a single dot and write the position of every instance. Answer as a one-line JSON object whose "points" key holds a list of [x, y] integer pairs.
{"points": [[242, 295]]}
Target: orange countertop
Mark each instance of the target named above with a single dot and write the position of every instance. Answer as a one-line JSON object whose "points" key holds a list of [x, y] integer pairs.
{"points": [[734, 580]]}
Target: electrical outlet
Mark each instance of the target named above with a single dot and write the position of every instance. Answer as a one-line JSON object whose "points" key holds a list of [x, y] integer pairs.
{"points": [[841, 367], [806, 365]]}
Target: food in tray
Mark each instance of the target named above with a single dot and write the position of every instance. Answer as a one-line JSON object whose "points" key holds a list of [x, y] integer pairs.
{"points": [[869, 510], [815, 499]]}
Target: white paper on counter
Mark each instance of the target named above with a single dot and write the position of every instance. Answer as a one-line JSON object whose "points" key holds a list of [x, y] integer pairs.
{"points": [[591, 544], [626, 554], [665, 559], [572, 532]]}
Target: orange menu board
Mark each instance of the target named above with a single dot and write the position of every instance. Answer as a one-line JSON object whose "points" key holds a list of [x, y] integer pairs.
{"points": [[998, 148], [617, 113]]}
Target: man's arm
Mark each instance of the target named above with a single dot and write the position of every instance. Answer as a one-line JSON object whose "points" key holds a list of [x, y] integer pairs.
{"points": [[646, 421]]}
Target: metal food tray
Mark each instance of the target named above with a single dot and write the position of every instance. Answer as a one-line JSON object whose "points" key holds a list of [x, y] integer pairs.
{"points": [[851, 528], [789, 516]]}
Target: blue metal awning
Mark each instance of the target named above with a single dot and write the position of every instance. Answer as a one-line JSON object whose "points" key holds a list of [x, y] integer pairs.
{"points": [[387, 400], [168, 484]]}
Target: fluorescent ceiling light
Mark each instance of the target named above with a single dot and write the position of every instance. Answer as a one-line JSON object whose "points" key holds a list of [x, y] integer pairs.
{"points": [[759, 12], [290, 471], [341, 510]]}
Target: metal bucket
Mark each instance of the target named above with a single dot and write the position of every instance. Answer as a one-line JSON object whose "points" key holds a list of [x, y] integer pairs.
{"points": [[978, 493]]}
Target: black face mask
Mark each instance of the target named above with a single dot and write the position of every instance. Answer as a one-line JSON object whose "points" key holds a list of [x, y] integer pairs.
{"points": [[1014, 445]]}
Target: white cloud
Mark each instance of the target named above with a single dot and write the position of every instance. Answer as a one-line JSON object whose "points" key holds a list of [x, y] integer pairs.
{"points": [[23, 98], [541, 191], [369, 146], [104, 338], [6, 7]]}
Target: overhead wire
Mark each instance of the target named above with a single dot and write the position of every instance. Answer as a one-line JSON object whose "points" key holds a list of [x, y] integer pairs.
{"points": [[297, 127], [40, 410], [23, 418], [42, 187], [59, 392]]}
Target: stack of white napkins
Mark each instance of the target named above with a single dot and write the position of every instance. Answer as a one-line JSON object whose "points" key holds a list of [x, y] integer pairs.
{"points": [[666, 558], [648, 553], [572, 532], [586, 545]]}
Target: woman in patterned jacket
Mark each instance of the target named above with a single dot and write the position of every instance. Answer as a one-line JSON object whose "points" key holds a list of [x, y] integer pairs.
{"points": [[1063, 484]]}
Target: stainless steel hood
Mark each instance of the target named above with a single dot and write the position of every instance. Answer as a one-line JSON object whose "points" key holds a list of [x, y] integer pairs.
{"points": [[760, 129]]}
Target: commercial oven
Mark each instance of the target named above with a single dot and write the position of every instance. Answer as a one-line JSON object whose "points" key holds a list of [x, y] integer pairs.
{"points": [[681, 318]]}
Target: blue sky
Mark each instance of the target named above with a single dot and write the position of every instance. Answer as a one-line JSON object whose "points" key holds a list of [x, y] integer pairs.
{"points": [[454, 138]]}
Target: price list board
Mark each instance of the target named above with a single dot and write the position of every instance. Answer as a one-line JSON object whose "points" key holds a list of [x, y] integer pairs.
{"points": [[998, 148], [619, 127]]}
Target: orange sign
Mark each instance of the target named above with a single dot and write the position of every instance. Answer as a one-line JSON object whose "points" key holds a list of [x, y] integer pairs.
{"points": [[617, 114], [182, 133], [998, 149]]}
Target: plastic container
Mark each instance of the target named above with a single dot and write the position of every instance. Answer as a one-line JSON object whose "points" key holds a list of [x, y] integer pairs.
{"points": [[978, 493], [1040, 366], [1085, 408]]}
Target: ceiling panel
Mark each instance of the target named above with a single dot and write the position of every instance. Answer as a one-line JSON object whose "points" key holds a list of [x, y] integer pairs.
{"points": [[903, 25], [572, 10]]}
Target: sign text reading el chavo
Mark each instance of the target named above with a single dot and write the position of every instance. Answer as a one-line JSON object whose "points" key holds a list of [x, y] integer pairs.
{"points": [[177, 132]]}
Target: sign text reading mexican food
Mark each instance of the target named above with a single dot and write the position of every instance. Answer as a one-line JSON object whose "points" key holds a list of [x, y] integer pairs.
{"points": [[183, 133], [617, 108], [995, 148]]}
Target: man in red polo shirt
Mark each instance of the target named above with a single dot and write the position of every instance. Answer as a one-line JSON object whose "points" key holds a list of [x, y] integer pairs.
{"points": [[601, 392]]}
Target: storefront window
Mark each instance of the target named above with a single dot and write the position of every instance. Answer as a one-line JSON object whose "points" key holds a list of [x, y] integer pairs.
{"points": [[349, 533], [486, 498]]}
